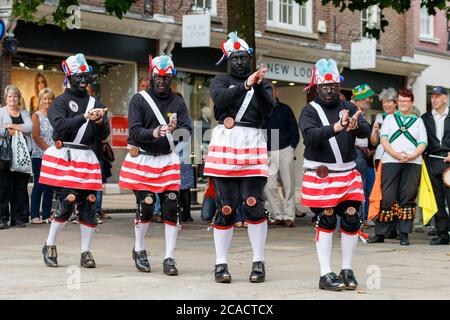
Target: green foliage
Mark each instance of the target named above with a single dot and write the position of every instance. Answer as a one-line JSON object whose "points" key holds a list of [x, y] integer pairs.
{"points": [[26, 10], [400, 6]]}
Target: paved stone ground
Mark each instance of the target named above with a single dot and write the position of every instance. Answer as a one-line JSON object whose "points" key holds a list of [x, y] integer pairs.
{"points": [[415, 272]]}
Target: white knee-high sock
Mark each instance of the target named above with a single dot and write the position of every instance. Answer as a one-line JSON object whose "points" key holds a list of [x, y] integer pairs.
{"points": [[257, 234], [323, 245], [348, 247], [140, 230], [222, 242], [55, 230], [171, 239], [86, 237]]}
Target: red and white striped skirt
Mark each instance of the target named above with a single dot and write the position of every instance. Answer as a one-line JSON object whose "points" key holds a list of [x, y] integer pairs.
{"points": [[330, 191], [237, 152], [81, 172], [149, 173]]}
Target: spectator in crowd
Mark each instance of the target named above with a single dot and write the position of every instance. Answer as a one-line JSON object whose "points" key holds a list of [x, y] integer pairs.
{"points": [[388, 99], [40, 82], [404, 138], [13, 185], [187, 180], [144, 84], [363, 98], [209, 202], [42, 139], [282, 139], [437, 123]]}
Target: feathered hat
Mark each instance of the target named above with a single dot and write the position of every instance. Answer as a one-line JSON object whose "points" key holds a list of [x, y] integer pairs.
{"points": [[325, 71], [75, 64], [233, 44], [161, 65]]}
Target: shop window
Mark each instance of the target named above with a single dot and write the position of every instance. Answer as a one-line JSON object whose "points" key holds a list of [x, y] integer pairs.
{"points": [[205, 6], [288, 14], [426, 24]]}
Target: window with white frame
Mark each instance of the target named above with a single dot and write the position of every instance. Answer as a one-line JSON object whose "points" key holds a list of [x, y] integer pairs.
{"points": [[426, 24], [369, 20], [205, 6], [288, 14]]}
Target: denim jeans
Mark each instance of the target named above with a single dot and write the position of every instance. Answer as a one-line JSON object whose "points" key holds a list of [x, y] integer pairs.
{"points": [[98, 202], [40, 192], [157, 205]]}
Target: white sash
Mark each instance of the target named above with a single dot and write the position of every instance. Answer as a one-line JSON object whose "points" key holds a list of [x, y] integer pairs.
{"points": [[244, 105], [332, 140], [159, 116], [83, 128]]}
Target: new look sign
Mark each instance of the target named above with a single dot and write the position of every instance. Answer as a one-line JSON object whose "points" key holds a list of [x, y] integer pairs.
{"points": [[288, 70]]}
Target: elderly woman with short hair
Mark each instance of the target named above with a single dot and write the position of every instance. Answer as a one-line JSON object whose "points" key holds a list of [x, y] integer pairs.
{"points": [[13, 185], [42, 139]]}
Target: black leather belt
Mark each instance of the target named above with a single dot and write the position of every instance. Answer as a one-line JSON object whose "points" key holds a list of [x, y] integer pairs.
{"points": [[76, 146], [244, 124], [146, 153]]}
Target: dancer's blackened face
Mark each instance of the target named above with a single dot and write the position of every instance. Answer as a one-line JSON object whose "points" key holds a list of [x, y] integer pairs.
{"points": [[240, 63], [328, 93]]}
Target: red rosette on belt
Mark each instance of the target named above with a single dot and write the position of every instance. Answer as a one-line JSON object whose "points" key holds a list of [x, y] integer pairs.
{"points": [[58, 144]]}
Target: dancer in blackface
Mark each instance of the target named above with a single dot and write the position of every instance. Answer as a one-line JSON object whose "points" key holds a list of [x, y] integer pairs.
{"points": [[152, 166], [332, 187], [70, 165], [237, 155]]}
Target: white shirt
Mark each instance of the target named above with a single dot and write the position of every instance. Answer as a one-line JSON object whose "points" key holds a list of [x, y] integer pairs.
{"points": [[402, 144], [380, 150], [439, 120]]}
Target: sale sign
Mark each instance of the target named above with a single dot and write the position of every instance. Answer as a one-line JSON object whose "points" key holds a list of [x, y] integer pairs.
{"points": [[119, 131]]}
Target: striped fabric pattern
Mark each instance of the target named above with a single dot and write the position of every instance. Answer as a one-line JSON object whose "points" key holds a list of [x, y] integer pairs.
{"points": [[330, 191], [81, 172], [149, 173], [237, 152]]}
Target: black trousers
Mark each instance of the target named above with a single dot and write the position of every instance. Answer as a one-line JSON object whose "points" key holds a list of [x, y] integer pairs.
{"points": [[169, 208], [14, 197], [234, 192], [435, 169], [399, 184], [349, 224]]}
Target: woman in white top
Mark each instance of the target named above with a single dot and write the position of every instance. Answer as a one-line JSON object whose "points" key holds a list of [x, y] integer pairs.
{"points": [[404, 138]]}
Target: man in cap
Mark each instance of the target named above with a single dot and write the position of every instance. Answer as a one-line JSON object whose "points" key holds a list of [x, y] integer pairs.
{"points": [[437, 123], [70, 165], [151, 165], [237, 155], [332, 187]]}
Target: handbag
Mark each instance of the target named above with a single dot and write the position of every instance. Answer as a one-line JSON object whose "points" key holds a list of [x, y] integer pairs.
{"points": [[107, 152], [5, 151], [21, 160]]}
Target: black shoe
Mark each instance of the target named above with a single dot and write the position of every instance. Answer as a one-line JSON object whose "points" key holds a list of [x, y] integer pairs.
{"points": [[221, 273], [258, 273], [348, 278], [169, 267], [50, 255], [331, 282], [439, 241], [391, 235], [87, 260], [19, 224], [141, 261], [4, 226], [404, 239], [376, 239]]}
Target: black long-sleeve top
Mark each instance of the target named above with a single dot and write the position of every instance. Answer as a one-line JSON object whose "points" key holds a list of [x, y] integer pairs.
{"points": [[282, 119], [228, 93], [142, 121], [315, 135], [66, 115]]}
